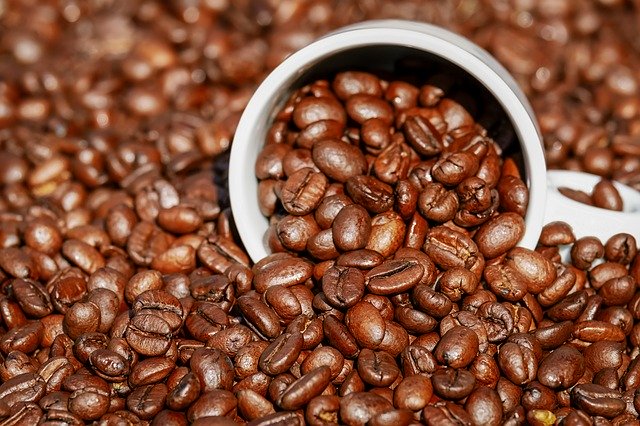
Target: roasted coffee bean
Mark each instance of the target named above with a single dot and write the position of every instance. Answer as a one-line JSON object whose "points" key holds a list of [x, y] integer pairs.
{"points": [[312, 109], [32, 298], [338, 160], [562, 368], [585, 250], [147, 401], [606, 196], [597, 400], [280, 355], [454, 384], [437, 203], [377, 368], [302, 192], [499, 235], [457, 348], [387, 233], [518, 363], [358, 407], [149, 335], [449, 248], [484, 406], [343, 286], [394, 276], [300, 392], [371, 193], [213, 369]]}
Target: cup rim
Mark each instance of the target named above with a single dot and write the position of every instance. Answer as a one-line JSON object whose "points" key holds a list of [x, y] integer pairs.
{"points": [[431, 39]]}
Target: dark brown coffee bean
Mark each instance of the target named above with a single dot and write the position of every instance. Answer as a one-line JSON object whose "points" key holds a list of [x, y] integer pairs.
{"points": [[303, 191], [147, 401], [323, 410], [449, 248], [260, 316], [585, 250], [252, 405], [286, 272], [82, 317], [557, 233], [562, 368], [32, 298], [343, 286], [281, 354], [394, 276], [311, 109], [319, 130], [149, 335], [484, 406], [83, 255], [445, 413], [592, 331], [514, 195], [371, 193], [26, 387], [185, 393], [517, 363], [109, 365], [377, 368], [457, 348], [606, 196], [349, 83], [362, 107], [338, 160], [499, 235], [423, 136], [454, 384], [213, 369], [387, 233], [417, 360], [451, 169], [597, 400], [505, 281], [437, 203], [351, 228], [339, 336], [366, 324], [310, 385], [537, 271], [358, 408]]}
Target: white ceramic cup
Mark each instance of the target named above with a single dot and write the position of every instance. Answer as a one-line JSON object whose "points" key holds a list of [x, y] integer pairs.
{"points": [[380, 44]]}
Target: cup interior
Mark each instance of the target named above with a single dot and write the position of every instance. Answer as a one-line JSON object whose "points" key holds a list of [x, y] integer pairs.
{"points": [[391, 61]]}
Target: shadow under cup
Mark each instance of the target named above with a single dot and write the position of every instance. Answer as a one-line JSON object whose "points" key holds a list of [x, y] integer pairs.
{"points": [[389, 62]]}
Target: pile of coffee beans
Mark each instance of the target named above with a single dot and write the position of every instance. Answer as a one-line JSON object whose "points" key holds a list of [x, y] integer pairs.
{"points": [[340, 151], [127, 299]]}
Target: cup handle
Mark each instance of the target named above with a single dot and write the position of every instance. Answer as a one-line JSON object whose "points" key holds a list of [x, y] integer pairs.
{"points": [[588, 220]]}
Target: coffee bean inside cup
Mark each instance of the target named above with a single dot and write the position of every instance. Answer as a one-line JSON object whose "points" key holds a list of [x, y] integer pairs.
{"points": [[354, 160]]}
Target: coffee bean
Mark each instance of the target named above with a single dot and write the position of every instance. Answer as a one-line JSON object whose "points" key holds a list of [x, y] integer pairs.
{"points": [[394, 276], [149, 335], [499, 235], [457, 348], [343, 286], [280, 355], [371, 193], [358, 407], [338, 160], [311, 109], [597, 400], [349, 83], [453, 383], [300, 392]]}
